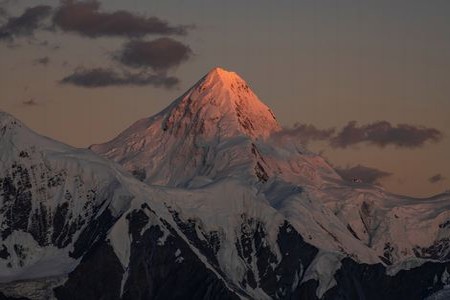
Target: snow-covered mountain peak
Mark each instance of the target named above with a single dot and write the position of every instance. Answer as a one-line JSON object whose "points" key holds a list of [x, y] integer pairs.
{"points": [[223, 75], [217, 129], [221, 78], [221, 104], [16, 135]]}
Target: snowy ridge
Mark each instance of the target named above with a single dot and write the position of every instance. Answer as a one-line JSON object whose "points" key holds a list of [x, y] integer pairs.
{"points": [[49, 194]]}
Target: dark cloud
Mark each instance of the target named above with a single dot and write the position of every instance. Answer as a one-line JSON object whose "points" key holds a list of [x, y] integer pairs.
{"points": [[85, 18], [304, 133], [382, 134], [42, 61], [436, 178], [25, 24], [160, 54], [100, 77], [30, 102], [362, 173]]}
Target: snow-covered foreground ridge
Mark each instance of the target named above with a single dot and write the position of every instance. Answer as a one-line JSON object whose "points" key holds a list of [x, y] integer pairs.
{"points": [[207, 204]]}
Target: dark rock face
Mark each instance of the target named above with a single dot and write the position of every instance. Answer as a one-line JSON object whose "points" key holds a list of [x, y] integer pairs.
{"points": [[98, 276], [260, 173], [162, 276], [4, 254], [208, 243], [16, 195], [438, 250], [370, 282], [278, 279], [22, 210], [95, 230], [139, 174], [168, 270], [297, 256]]}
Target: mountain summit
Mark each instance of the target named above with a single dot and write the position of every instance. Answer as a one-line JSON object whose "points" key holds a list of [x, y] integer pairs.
{"points": [[220, 104], [197, 135]]}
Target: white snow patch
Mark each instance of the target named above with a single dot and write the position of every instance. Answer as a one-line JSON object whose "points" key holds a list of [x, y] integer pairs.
{"points": [[35, 261], [322, 269], [445, 277], [162, 240], [179, 259], [120, 240]]}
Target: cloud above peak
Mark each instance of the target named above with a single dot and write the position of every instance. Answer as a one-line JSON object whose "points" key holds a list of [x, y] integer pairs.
{"points": [[383, 133], [380, 134], [160, 54], [304, 133], [142, 62], [86, 19], [104, 77], [26, 23]]}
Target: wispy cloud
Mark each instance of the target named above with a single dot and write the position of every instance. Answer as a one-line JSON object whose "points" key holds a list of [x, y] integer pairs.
{"points": [[42, 61], [142, 62], [159, 54], [382, 134], [436, 178], [104, 77], [85, 18], [304, 133], [25, 24], [29, 102]]}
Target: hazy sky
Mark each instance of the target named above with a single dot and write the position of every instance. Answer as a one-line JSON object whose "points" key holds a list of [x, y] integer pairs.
{"points": [[81, 73]]}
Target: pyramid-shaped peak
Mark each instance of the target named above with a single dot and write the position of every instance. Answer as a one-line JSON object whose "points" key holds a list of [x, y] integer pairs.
{"points": [[221, 101], [218, 108]]}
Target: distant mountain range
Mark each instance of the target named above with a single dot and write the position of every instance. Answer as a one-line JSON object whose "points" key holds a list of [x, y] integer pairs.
{"points": [[203, 201]]}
